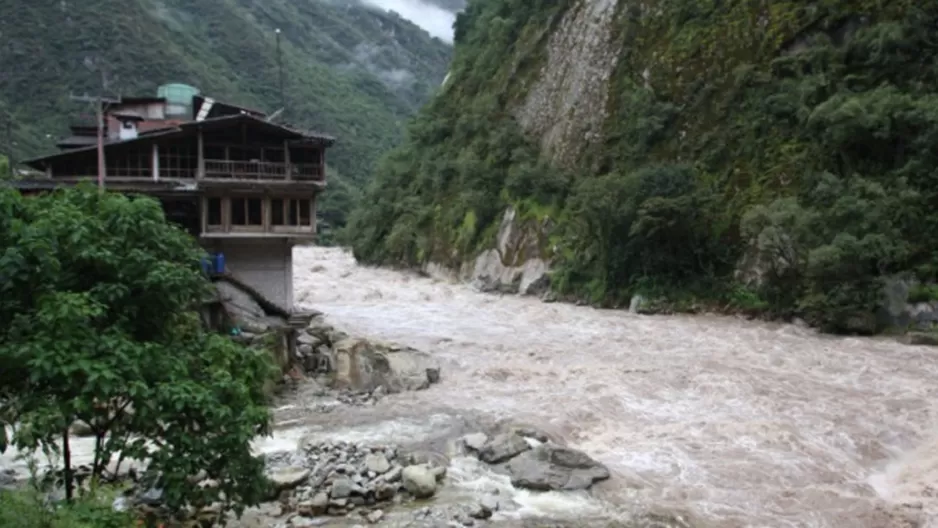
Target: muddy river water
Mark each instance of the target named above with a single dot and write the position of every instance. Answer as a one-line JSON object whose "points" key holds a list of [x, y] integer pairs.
{"points": [[734, 423], [730, 423]]}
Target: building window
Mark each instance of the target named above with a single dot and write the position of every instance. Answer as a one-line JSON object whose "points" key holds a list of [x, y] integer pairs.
{"points": [[293, 218], [214, 211], [303, 206], [247, 212], [291, 212], [255, 211], [239, 213], [276, 212]]}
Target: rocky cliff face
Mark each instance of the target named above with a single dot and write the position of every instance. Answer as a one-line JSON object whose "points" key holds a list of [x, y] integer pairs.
{"points": [[566, 105], [667, 141]]}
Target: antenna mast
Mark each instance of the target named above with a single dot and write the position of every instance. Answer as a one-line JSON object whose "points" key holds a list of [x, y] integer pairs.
{"points": [[98, 101]]}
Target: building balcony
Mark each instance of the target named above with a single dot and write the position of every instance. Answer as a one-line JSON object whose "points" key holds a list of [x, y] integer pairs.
{"points": [[262, 170]]}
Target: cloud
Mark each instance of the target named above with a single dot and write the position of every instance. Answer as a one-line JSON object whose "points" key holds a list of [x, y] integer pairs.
{"points": [[436, 20]]}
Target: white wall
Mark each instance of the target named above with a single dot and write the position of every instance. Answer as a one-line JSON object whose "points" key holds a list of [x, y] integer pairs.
{"points": [[266, 265]]}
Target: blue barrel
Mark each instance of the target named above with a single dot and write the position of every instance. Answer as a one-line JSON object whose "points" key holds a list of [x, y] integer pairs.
{"points": [[219, 263], [206, 265]]}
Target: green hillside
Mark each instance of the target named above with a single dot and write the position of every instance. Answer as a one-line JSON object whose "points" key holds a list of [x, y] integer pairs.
{"points": [[351, 71], [773, 156]]}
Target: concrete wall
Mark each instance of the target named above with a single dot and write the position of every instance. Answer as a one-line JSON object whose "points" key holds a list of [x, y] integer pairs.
{"points": [[264, 264]]}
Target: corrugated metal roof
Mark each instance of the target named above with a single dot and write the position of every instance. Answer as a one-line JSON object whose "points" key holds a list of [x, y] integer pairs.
{"points": [[185, 127]]}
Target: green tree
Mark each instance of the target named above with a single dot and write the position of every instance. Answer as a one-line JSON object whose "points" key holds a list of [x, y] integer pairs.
{"points": [[99, 307]]}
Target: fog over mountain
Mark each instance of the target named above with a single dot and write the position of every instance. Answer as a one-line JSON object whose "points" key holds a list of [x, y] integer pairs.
{"points": [[435, 16]]}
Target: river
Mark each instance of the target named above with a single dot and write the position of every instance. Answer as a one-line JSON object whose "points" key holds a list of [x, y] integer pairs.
{"points": [[731, 422]]}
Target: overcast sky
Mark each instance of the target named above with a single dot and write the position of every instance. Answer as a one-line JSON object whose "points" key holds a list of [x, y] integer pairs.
{"points": [[438, 22]]}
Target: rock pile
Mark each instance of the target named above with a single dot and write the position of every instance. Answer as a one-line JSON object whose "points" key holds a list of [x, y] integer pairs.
{"points": [[337, 478], [362, 368], [534, 463]]}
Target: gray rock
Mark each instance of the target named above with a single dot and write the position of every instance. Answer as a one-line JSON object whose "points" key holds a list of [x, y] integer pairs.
{"points": [[551, 467], [315, 506], [377, 463], [481, 511], [394, 474], [503, 447], [304, 522], [308, 340], [342, 488], [363, 366], [385, 491], [80, 429], [375, 516], [288, 478], [419, 481], [475, 441], [242, 308], [923, 338], [489, 502]]}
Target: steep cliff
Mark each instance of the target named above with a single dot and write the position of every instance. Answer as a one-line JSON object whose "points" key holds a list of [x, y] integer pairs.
{"points": [[769, 155]]}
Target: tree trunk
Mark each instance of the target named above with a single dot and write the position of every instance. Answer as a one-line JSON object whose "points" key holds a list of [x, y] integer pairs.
{"points": [[67, 460]]}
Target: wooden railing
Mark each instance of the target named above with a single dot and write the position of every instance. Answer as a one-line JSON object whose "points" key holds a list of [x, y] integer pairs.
{"points": [[261, 170]]}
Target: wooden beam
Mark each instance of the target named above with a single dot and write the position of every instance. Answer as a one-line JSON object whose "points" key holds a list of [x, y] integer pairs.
{"points": [[265, 213], [200, 172], [322, 164], [312, 211], [286, 159], [204, 213], [226, 214], [155, 162]]}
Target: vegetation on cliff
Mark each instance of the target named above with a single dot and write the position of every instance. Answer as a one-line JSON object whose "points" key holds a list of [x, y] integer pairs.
{"points": [[350, 70], [773, 155], [100, 324]]}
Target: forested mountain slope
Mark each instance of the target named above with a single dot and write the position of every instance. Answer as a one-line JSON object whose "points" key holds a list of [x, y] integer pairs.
{"points": [[352, 71], [771, 155]]}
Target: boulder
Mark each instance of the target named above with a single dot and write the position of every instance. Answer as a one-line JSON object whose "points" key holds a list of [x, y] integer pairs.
{"points": [[419, 481], [80, 429], [485, 508], [242, 308], [288, 478], [551, 467], [475, 442], [377, 463], [363, 366], [503, 447]]}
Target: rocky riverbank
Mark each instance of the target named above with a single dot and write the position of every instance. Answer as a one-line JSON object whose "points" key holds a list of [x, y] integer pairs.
{"points": [[320, 482]]}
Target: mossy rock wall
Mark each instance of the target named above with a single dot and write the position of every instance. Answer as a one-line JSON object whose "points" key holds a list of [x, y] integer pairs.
{"points": [[669, 139]]}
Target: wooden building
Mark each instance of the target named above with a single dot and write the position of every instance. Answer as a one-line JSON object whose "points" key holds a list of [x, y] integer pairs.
{"points": [[244, 185]]}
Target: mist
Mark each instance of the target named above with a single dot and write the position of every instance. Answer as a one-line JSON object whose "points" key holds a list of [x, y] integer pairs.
{"points": [[436, 20]]}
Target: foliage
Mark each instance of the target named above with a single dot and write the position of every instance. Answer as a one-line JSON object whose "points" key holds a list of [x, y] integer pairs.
{"points": [[349, 70], [461, 162], [99, 303], [786, 146], [29, 509]]}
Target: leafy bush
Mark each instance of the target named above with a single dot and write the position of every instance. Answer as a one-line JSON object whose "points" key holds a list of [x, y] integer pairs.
{"points": [[29, 508], [98, 305]]}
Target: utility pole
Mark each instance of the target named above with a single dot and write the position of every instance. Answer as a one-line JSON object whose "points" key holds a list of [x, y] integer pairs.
{"points": [[98, 101], [11, 163], [283, 102]]}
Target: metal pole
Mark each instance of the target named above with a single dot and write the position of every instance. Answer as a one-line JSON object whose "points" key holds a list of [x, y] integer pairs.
{"points": [[283, 103], [101, 169], [10, 161]]}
